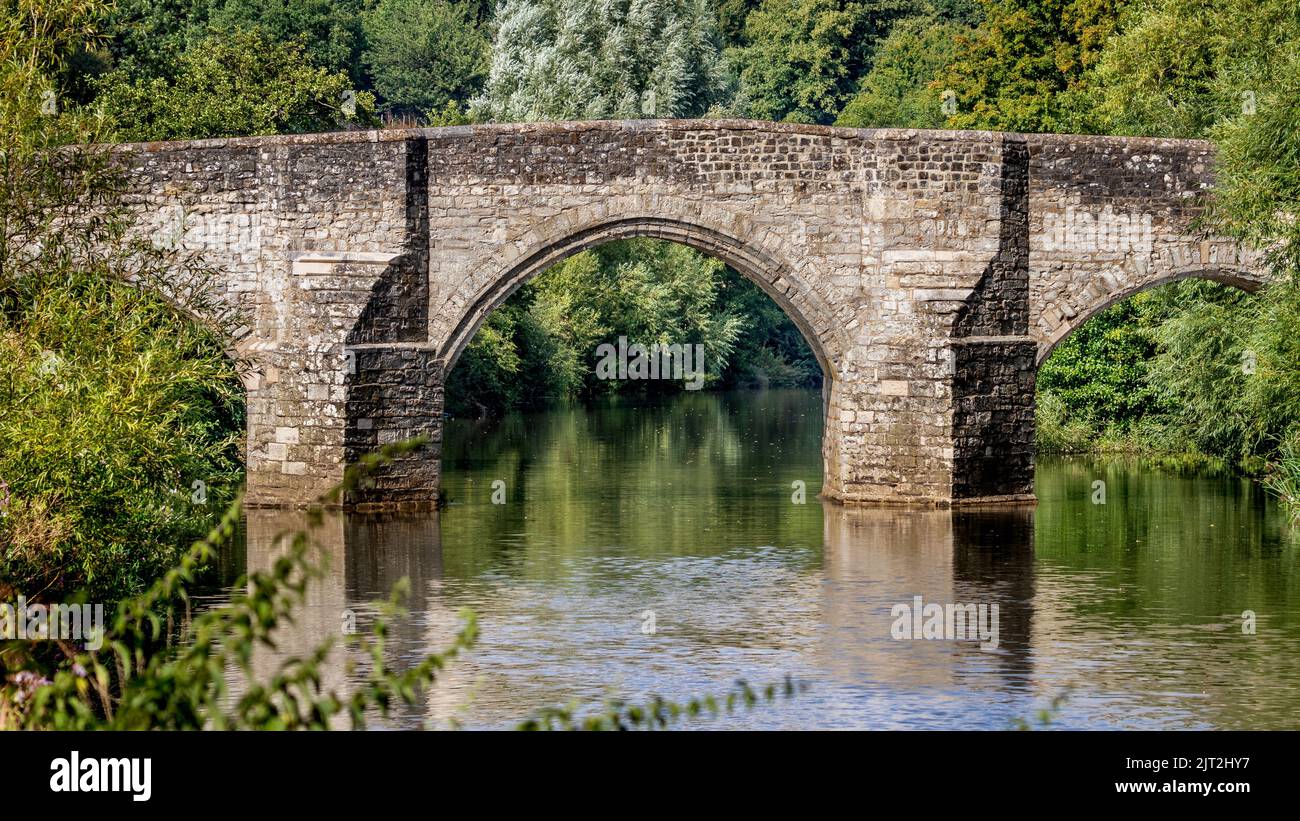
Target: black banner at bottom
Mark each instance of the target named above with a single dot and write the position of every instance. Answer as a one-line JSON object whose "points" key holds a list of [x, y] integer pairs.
{"points": [[147, 772]]}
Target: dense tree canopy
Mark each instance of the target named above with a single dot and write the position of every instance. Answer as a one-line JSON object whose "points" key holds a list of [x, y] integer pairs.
{"points": [[330, 30], [424, 54], [1024, 65], [801, 58], [231, 84], [582, 59], [899, 90]]}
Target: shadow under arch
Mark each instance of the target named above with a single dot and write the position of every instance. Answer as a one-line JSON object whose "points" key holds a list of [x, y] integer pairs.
{"points": [[1241, 279], [816, 323]]}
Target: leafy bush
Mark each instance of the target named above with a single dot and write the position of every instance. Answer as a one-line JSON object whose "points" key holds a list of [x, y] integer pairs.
{"points": [[1284, 479], [1056, 431], [113, 408], [114, 397], [233, 83]]}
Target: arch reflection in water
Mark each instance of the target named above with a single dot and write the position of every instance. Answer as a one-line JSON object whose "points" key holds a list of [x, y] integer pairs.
{"points": [[555, 630], [876, 559], [363, 559]]}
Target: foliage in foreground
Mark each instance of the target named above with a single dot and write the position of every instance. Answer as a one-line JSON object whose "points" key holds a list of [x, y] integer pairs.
{"points": [[658, 713], [114, 398], [150, 675]]}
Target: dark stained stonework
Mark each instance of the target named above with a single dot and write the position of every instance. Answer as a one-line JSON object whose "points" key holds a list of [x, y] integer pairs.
{"points": [[929, 270]]}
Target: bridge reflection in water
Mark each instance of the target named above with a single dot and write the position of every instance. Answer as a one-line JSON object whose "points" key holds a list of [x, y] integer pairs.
{"points": [[878, 558], [553, 631]]}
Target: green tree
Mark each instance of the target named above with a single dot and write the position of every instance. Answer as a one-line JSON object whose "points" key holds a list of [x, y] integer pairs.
{"points": [[898, 92], [802, 58], [424, 54], [142, 37], [581, 59], [1027, 63], [515, 360], [232, 84], [541, 343], [114, 399], [1101, 371], [962, 12], [652, 291], [1179, 67], [330, 30], [770, 351], [1257, 198], [731, 20], [1199, 369], [1156, 76], [1223, 368]]}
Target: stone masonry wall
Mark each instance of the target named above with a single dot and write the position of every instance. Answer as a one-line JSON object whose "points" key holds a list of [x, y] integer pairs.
{"points": [[928, 271], [322, 245], [1112, 216]]}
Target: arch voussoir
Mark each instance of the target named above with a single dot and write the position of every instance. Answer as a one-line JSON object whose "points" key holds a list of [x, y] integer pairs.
{"points": [[1057, 320]]}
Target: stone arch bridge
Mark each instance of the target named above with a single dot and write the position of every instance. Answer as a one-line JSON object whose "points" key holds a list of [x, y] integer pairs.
{"points": [[930, 271]]}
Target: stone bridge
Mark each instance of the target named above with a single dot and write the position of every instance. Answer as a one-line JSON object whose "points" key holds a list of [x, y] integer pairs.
{"points": [[930, 271]]}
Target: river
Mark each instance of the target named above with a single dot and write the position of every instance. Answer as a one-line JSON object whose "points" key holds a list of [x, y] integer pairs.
{"points": [[665, 549]]}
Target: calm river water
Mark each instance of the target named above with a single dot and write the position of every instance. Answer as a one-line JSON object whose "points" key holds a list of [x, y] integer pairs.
{"points": [[657, 550]]}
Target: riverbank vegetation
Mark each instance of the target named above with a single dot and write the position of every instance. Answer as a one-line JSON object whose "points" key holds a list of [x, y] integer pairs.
{"points": [[118, 411]]}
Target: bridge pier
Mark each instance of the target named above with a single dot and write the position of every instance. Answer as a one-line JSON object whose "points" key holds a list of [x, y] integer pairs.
{"points": [[956, 431], [993, 420], [345, 376]]}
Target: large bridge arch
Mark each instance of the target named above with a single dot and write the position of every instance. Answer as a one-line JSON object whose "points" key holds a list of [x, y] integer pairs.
{"points": [[762, 266], [757, 255]]}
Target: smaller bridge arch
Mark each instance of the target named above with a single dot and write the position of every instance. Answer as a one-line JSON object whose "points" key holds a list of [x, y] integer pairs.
{"points": [[1249, 281]]}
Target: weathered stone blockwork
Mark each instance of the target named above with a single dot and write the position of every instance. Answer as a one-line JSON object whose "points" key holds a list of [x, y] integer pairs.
{"points": [[928, 271], [1112, 216]]}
